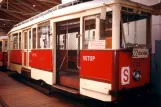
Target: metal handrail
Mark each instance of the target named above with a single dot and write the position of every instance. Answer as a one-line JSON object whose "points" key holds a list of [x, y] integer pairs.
{"points": [[63, 61], [78, 52]]}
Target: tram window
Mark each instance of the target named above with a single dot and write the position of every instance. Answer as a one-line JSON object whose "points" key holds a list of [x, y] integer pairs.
{"points": [[15, 40], [20, 40], [34, 38], [25, 40], [5, 48], [10, 42], [106, 30], [30, 39], [44, 35], [97, 32], [90, 29], [135, 29], [0, 46]]}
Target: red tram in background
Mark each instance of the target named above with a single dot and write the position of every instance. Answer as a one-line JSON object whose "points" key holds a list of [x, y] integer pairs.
{"points": [[99, 49], [3, 52]]}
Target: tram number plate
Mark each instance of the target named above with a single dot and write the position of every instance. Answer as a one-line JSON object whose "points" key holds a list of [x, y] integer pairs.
{"points": [[140, 53]]}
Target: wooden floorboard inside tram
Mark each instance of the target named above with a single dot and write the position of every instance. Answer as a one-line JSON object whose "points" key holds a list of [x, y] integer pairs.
{"points": [[15, 94]]}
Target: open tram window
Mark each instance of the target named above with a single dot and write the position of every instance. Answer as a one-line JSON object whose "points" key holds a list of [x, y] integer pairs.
{"points": [[135, 29], [44, 35], [15, 40]]}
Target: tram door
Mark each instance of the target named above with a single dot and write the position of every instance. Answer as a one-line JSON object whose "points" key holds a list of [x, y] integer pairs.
{"points": [[67, 53], [26, 48]]}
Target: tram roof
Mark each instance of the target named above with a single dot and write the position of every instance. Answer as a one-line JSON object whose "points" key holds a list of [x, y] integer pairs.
{"points": [[64, 9]]}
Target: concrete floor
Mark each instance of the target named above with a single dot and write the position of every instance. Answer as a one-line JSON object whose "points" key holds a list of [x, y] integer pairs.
{"points": [[16, 94]]}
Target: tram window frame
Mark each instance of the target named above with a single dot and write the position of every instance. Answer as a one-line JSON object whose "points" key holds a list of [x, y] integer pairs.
{"points": [[102, 33], [20, 40], [90, 20], [44, 40], [30, 40], [132, 20], [1, 44], [5, 46], [15, 41], [25, 38], [34, 38]]}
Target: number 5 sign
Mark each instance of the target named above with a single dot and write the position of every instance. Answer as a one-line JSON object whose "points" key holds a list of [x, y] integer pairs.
{"points": [[125, 75]]}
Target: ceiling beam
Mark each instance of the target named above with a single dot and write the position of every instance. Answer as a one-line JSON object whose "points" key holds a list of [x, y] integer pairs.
{"points": [[16, 16], [26, 5], [50, 1], [33, 13], [19, 12], [9, 20]]}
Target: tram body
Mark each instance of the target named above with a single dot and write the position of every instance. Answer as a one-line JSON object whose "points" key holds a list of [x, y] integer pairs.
{"points": [[86, 48], [3, 51]]}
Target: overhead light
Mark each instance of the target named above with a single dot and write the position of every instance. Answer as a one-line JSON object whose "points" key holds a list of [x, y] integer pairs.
{"points": [[1, 1]]}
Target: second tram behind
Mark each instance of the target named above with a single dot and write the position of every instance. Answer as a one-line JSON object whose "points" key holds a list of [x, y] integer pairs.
{"points": [[3, 52]]}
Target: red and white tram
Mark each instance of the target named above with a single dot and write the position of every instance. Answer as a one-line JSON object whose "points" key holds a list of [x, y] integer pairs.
{"points": [[3, 52], [97, 49]]}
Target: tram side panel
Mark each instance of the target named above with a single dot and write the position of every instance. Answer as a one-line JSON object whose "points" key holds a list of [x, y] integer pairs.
{"points": [[96, 74], [5, 58], [15, 60], [41, 65], [133, 72], [104, 77]]}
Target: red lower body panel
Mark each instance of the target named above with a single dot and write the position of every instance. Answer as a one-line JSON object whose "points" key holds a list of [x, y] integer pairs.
{"points": [[16, 56], [96, 64], [41, 59]]}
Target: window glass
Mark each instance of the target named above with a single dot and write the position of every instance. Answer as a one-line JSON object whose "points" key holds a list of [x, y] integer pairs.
{"points": [[44, 35], [5, 48], [34, 38], [25, 40], [135, 31], [90, 29], [98, 32], [15, 40], [30, 39], [106, 30], [0, 46], [20, 40]]}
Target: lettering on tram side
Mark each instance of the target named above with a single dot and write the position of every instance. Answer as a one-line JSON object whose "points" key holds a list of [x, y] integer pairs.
{"points": [[88, 58]]}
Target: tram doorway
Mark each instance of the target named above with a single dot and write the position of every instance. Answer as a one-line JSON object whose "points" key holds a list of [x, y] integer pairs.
{"points": [[67, 53]]}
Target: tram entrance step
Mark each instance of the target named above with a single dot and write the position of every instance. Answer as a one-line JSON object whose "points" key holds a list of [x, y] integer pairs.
{"points": [[70, 81], [67, 89]]}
